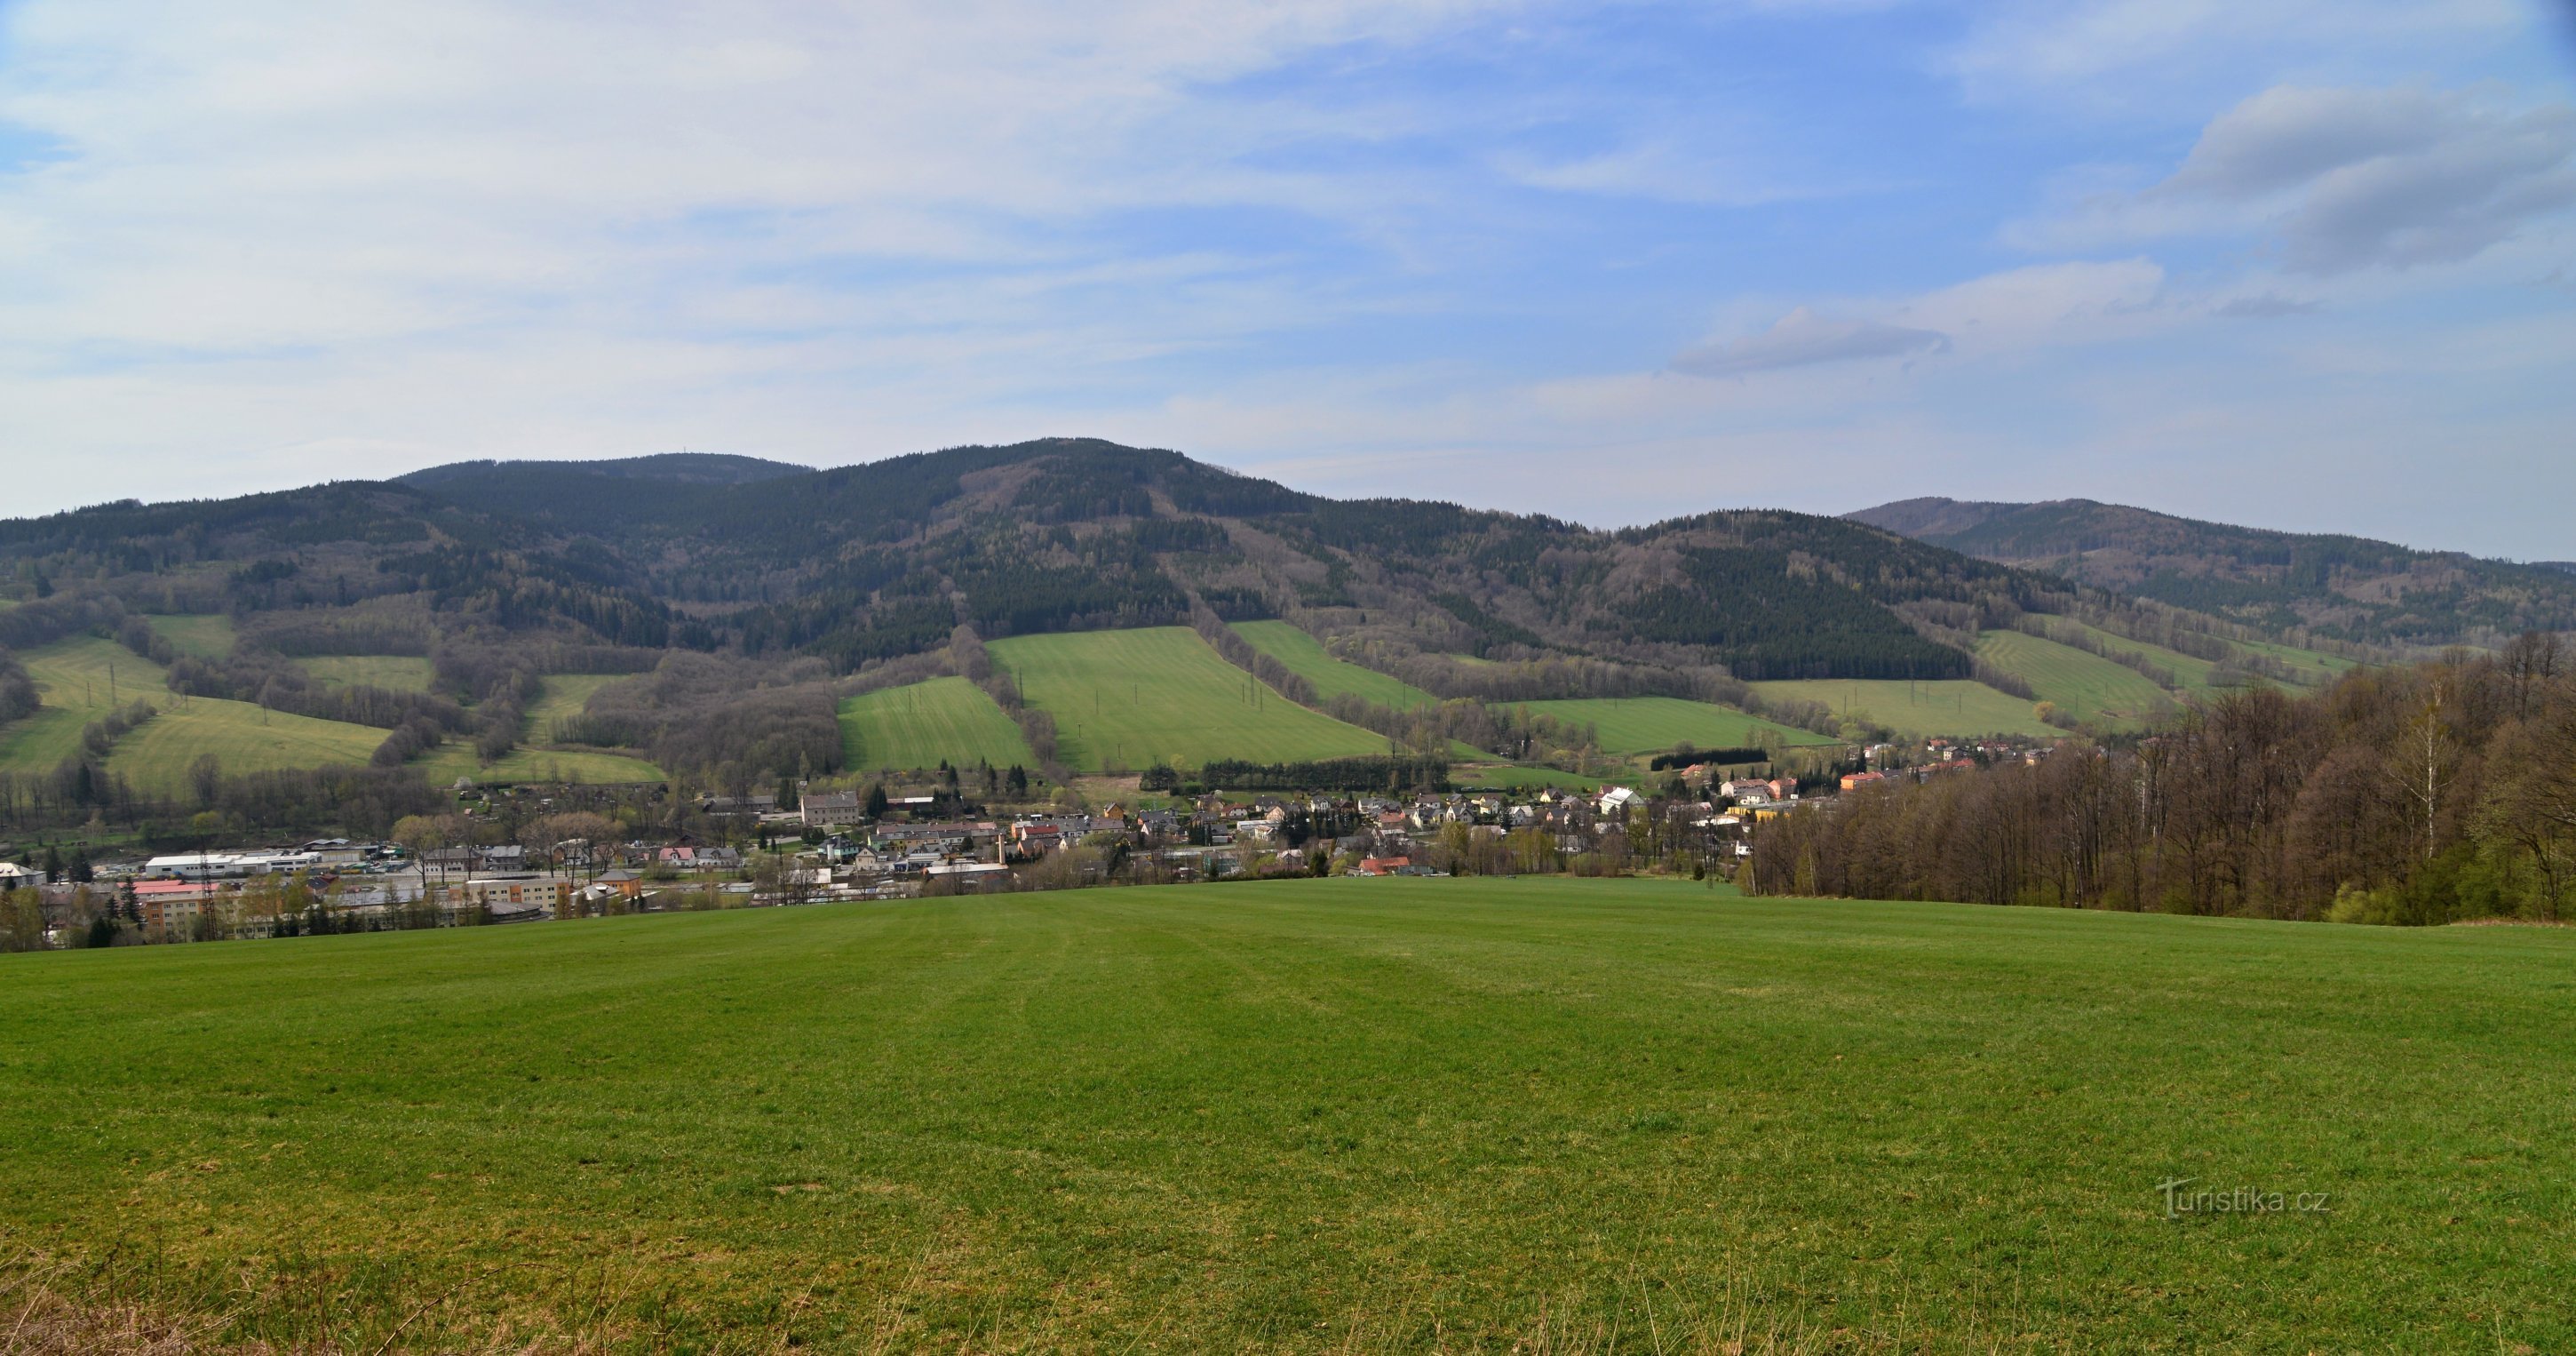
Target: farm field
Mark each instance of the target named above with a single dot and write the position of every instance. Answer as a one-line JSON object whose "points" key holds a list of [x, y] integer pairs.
{"points": [[75, 677], [922, 724], [2315, 668], [2087, 687], [1161, 695], [561, 696], [1306, 657], [207, 636], [1326, 1116], [402, 673], [455, 759], [1657, 724], [1954, 707], [2190, 673]]}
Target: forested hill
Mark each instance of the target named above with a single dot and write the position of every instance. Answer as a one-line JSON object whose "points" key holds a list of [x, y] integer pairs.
{"points": [[873, 562], [2330, 587]]}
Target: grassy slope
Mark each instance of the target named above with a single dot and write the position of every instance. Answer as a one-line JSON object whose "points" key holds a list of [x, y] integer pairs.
{"points": [[564, 695], [2191, 675], [456, 759], [2087, 686], [1329, 1116], [402, 673], [917, 726], [1954, 707], [1656, 724], [1160, 694], [74, 677], [1306, 656], [208, 636]]}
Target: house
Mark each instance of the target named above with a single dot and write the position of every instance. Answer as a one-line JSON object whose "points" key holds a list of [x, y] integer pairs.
{"points": [[1381, 866], [518, 893], [1853, 781], [1617, 798], [16, 877], [832, 808], [620, 881], [506, 857]]}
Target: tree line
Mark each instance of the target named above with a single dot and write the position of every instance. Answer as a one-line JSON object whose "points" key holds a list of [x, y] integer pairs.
{"points": [[2421, 793]]}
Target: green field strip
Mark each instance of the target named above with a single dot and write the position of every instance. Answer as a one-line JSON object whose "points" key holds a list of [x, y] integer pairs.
{"points": [[1162, 695], [1954, 708], [561, 696], [456, 759], [1306, 657], [2087, 687], [1655, 724], [204, 635], [399, 672], [923, 724]]}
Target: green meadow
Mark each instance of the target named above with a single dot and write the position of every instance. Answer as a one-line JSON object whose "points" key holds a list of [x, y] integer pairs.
{"points": [[561, 696], [1955, 707], [1306, 657], [1656, 724], [1132, 699], [400, 672], [921, 725], [77, 679], [1327, 1116], [2088, 687], [205, 635]]}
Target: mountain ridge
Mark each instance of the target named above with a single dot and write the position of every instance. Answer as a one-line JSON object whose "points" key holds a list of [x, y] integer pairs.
{"points": [[2329, 586]]}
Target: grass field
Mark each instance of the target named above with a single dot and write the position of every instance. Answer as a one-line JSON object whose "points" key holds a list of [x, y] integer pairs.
{"points": [[75, 677], [1952, 707], [402, 673], [919, 725], [1306, 657], [1657, 724], [2313, 669], [2191, 675], [1161, 695], [562, 696], [2086, 686], [1453, 1115], [456, 759], [207, 636]]}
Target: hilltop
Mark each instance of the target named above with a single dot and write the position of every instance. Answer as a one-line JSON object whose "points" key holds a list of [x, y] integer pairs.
{"points": [[723, 618], [2331, 587]]}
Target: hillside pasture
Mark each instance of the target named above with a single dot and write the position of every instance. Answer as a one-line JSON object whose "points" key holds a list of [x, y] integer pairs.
{"points": [[83, 678], [1955, 707], [1630, 725], [921, 725], [1137, 698], [1321, 1116], [561, 696], [2087, 687], [1305, 656], [205, 635], [399, 672], [456, 760]]}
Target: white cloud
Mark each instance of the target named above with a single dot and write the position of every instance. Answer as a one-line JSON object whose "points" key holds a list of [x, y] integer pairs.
{"points": [[2134, 55], [1803, 338], [2339, 180]]}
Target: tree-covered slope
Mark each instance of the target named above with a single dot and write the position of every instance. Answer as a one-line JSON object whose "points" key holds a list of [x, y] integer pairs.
{"points": [[2331, 586]]}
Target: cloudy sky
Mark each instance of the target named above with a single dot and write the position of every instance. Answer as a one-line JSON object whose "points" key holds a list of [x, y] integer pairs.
{"points": [[2300, 263]]}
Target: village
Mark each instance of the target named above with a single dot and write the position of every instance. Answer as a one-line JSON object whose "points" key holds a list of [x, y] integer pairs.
{"points": [[844, 845]]}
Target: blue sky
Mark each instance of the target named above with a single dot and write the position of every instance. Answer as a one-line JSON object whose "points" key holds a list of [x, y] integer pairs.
{"points": [[2300, 264]]}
